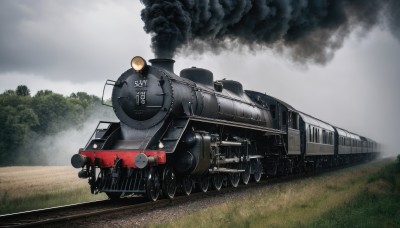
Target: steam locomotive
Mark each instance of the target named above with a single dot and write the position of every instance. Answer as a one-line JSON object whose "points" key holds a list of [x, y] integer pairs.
{"points": [[180, 132]]}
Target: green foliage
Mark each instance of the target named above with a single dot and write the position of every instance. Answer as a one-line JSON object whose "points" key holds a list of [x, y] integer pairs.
{"points": [[398, 162], [43, 93], [25, 119], [327, 200], [9, 92], [387, 174], [378, 205], [367, 210], [22, 90]]}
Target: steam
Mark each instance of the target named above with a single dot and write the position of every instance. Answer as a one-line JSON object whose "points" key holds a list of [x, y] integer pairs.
{"points": [[58, 149], [305, 30]]}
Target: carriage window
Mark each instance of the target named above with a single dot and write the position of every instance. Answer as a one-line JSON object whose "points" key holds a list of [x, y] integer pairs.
{"points": [[329, 138], [273, 111], [316, 135], [313, 134], [294, 120], [319, 135], [284, 117]]}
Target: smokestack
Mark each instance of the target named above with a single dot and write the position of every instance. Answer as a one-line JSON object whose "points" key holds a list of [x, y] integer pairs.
{"points": [[166, 64]]}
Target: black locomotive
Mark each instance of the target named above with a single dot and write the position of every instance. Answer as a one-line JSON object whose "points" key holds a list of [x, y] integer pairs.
{"points": [[177, 132]]}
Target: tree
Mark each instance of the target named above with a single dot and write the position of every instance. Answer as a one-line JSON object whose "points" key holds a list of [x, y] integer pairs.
{"points": [[15, 128], [24, 120], [22, 90], [73, 95], [43, 93], [9, 92]]}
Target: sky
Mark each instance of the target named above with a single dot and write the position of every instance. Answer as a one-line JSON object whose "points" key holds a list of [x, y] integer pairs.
{"points": [[71, 46]]}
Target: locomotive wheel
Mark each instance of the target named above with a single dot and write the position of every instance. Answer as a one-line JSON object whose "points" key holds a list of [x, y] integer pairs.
{"points": [[204, 183], [257, 167], [169, 182], [225, 181], [234, 179], [217, 180], [153, 185], [246, 174], [187, 185]]}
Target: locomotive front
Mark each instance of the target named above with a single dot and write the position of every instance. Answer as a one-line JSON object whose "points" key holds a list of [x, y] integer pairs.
{"points": [[142, 96], [142, 99]]}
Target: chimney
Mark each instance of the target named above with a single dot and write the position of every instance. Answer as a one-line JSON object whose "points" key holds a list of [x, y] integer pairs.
{"points": [[166, 64]]}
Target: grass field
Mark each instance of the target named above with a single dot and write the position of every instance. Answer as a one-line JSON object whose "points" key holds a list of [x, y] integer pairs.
{"points": [[362, 196], [28, 188]]}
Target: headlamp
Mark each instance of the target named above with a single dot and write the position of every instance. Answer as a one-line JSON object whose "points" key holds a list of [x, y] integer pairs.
{"points": [[138, 63]]}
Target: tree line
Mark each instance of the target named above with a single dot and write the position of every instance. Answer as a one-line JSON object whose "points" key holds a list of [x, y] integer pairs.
{"points": [[25, 119]]}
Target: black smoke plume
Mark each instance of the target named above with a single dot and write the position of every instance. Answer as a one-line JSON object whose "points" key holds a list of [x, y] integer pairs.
{"points": [[307, 30]]}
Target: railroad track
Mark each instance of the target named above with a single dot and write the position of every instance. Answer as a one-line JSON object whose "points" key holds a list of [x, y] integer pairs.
{"points": [[61, 213], [76, 212]]}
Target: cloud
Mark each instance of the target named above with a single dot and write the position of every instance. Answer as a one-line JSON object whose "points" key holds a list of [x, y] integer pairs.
{"points": [[61, 86], [74, 40]]}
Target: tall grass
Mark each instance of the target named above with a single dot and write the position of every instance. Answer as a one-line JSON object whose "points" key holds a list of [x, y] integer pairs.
{"points": [[378, 205], [295, 204], [28, 188]]}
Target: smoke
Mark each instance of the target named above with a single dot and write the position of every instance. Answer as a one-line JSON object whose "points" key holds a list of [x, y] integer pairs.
{"points": [[58, 149], [305, 30]]}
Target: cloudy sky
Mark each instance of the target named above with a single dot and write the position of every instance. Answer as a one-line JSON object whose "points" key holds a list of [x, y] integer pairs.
{"points": [[70, 46]]}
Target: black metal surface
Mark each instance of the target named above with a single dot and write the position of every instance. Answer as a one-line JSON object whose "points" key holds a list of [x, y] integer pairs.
{"points": [[142, 100], [165, 64], [198, 75], [122, 180]]}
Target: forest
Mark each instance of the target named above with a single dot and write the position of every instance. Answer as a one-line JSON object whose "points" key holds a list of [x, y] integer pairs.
{"points": [[26, 120]]}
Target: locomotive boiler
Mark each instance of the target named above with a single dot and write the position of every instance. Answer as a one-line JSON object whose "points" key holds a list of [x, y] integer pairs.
{"points": [[177, 132]]}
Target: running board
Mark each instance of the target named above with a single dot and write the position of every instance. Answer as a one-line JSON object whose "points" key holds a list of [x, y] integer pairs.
{"points": [[256, 156], [225, 170]]}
